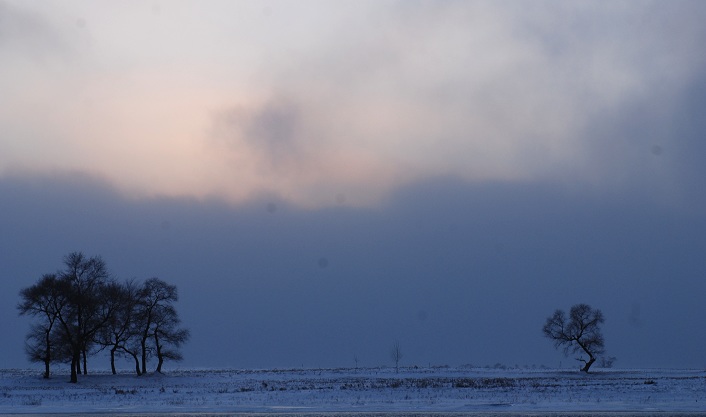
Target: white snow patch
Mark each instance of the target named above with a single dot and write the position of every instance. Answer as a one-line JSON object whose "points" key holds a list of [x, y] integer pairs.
{"points": [[357, 390]]}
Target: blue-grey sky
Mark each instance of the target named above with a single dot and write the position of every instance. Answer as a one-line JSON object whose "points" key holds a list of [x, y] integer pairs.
{"points": [[322, 179]]}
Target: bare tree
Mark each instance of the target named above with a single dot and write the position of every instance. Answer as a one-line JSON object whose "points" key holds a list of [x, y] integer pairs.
{"points": [[581, 333], [133, 350], [158, 321], [83, 282], [44, 300], [73, 306], [45, 347], [119, 332], [396, 355], [168, 338]]}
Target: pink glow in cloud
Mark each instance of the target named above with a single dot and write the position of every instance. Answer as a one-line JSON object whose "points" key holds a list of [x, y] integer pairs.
{"points": [[236, 99]]}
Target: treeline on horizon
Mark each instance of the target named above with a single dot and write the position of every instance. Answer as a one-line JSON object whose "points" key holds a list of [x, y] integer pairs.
{"points": [[82, 310]]}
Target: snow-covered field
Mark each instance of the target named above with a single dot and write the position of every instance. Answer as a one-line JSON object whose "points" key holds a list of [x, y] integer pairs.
{"points": [[363, 390]]}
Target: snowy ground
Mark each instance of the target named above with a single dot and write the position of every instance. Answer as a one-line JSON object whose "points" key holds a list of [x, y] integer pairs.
{"points": [[362, 390]]}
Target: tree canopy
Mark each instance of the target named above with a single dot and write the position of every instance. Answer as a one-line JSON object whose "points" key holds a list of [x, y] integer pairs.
{"points": [[580, 333]]}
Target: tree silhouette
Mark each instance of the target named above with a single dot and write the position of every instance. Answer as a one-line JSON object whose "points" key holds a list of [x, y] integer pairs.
{"points": [[581, 333], [83, 282], [120, 330], [158, 321], [45, 301], [81, 309]]}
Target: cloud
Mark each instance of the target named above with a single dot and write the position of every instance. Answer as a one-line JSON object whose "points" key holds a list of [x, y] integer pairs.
{"points": [[495, 93], [352, 99], [31, 37], [272, 131]]}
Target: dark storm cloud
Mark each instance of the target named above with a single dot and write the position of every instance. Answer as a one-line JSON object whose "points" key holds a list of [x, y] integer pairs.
{"points": [[457, 273]]}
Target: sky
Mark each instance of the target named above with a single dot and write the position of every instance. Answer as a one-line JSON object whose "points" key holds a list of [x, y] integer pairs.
{"points": [[322, 180]]}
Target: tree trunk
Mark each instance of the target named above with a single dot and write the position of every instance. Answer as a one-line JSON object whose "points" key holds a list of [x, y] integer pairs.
{"points": [[160, 357], [137, 365], [47, 356], [144, 355], [159, 364], [591, 359], [588, 364], [75, 361], [112, 359], [85, 366], [46, 368]]}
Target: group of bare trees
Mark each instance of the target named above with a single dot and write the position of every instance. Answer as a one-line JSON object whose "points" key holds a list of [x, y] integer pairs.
{"points": [[81, 310]]}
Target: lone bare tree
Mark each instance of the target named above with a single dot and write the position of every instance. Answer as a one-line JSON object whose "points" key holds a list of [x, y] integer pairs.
{"points": [[396, 355], [581, 333]]}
